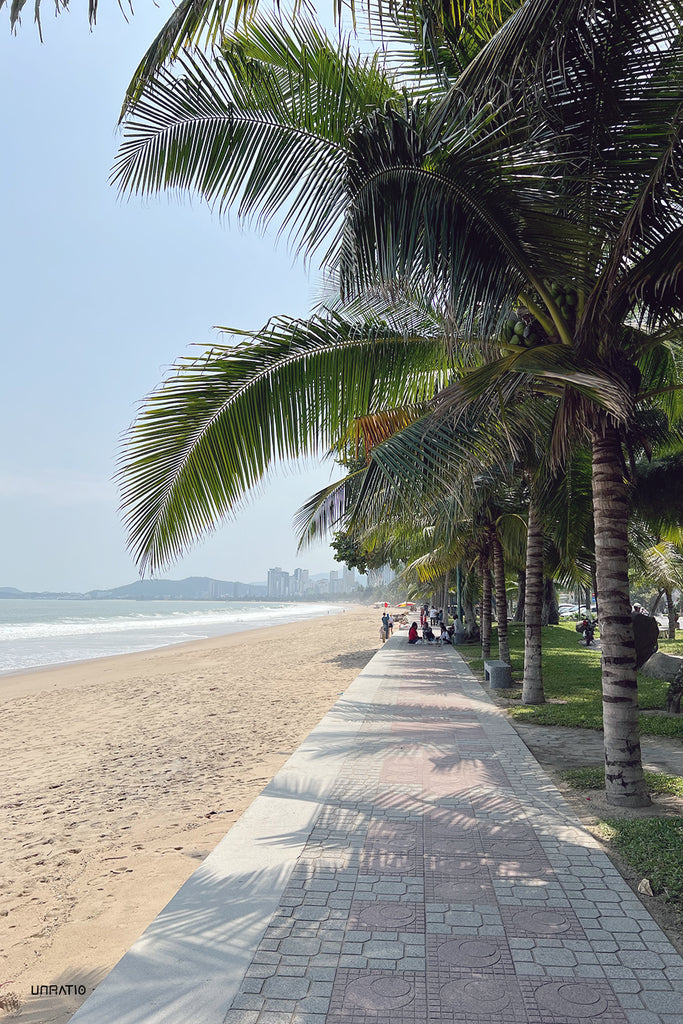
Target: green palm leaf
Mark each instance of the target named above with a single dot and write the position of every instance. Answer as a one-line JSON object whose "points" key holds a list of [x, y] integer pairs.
{"points": [[262, 125], [211, 431]]}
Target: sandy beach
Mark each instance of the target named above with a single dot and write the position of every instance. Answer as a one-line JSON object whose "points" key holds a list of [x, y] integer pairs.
{"points": [[118, 776]]}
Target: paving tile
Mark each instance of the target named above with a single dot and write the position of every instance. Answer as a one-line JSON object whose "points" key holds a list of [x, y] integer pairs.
{"points": [[388, 917], [476, 999], [383, 997], [571, 1001], [485, 954], [550, 921], [445, 881]]}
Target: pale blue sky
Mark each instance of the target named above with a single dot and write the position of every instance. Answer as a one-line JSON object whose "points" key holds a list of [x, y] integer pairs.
{"points": [[99, 297]]}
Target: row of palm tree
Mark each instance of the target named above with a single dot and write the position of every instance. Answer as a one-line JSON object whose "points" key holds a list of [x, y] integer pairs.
{"points": [[528, 176]]}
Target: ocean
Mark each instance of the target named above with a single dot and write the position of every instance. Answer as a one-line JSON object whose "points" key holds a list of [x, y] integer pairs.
{"points": [[37, 633]]}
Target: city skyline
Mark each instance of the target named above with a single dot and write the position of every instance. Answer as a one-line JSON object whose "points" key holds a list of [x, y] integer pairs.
{"points": [[282, 584]]}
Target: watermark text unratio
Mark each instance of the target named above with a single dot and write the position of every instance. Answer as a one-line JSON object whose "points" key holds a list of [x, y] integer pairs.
{"points": [[58, 990]]}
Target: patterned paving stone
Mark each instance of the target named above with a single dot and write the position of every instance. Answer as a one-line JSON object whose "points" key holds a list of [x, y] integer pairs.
{"points": [[446, 882], [496, 805], [486, 953], [516, 849], [571, 1001], [495, 833], [458, 891], [476, 999], [462, 778], [383, 997], [393, 848], [381, 916], [402, 771], [461, 820], [521, 868], [542, 922], [466, 867]]}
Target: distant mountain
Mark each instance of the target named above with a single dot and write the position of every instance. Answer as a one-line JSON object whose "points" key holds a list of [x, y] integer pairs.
{"points": [[12, 592], [194, 588]]}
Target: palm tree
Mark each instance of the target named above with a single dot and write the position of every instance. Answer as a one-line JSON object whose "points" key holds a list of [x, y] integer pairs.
{"points": [[447, 34], [548, 173], [595, 248]]}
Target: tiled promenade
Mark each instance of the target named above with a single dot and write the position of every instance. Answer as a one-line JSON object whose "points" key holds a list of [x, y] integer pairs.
{"points": [[440, 878]]}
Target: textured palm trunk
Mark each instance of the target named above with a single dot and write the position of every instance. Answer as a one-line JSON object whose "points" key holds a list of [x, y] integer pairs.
{"points": [[521, 587], [485, 606], [624, 781], [671, 609], [469, 618], [550, 615], [501, 600], [532, 685]]}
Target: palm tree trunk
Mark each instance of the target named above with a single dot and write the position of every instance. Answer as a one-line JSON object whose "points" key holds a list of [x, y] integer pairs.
{"points": [[485, 605], [671, 609], [624, 780], [521, 586], [472, 631], [532, 685], [501, 600]]}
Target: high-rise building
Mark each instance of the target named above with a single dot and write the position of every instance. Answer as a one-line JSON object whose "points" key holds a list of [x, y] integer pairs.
{"points": [[299, 583], [381, 577], [278, 583], [348, 580]]}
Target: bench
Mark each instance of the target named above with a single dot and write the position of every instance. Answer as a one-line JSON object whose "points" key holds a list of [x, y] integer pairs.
{"points": [[498, 675]]}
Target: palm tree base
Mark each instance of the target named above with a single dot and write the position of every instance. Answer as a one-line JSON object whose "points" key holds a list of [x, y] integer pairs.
{"points": [[633, 800]]}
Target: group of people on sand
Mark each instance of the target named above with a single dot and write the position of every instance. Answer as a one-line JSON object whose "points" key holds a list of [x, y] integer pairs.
{"points": [[387, 627]]}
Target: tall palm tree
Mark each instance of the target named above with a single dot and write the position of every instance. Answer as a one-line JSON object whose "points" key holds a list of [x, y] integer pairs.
{"points": [[597, 255], [547, 174]]}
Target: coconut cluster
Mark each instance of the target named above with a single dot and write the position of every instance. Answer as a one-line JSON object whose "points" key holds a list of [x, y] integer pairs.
{"points": [[522, 329]]}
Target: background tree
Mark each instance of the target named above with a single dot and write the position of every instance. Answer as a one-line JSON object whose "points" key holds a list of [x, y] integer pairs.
{"points": [[547, 175]]}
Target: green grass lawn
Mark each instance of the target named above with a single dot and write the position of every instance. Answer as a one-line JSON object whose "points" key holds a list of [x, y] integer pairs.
{"points": [[594, 778], [654, 847], [571, 678]]}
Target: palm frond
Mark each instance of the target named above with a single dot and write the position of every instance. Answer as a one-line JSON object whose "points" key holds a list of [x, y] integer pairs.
{"points": [[553, 365], [262, 125], [210, 432]]}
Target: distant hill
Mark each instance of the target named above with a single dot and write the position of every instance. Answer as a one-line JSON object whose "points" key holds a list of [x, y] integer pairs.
{"points": [[194, 588]]}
